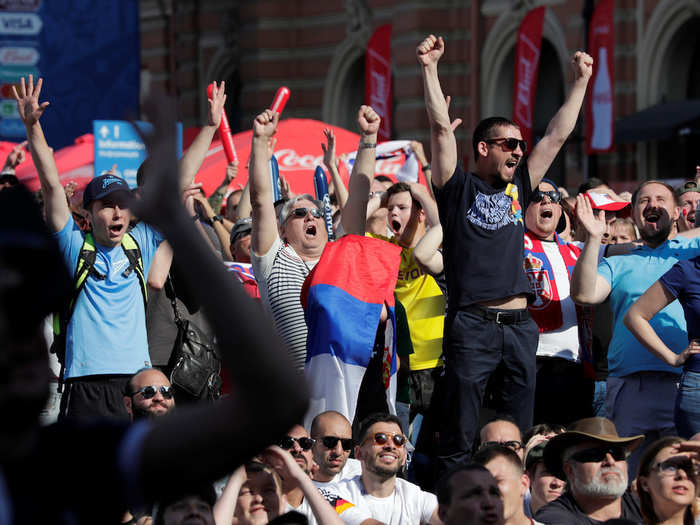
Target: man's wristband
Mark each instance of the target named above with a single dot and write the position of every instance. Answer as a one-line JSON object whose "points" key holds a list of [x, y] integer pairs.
{"points": [[425, 167], [367, 145], [217, 218]]}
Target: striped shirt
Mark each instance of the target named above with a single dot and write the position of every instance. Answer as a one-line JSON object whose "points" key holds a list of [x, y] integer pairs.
{"points": [[281, 274]]}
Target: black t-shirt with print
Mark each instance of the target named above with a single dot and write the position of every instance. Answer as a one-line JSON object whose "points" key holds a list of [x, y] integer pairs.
{"points": [[483, 246]]}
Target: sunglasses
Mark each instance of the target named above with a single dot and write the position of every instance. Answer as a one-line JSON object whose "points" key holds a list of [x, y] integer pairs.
{"points": [[539, 195], [382, 438], [671, 466], [509, 143], [287, 442], [598, 454], [513, 445], [301, 212], [150, 391], [331, 441]]}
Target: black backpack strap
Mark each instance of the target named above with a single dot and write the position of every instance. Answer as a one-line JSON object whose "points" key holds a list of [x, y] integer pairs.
{"points": [[133, 254]]}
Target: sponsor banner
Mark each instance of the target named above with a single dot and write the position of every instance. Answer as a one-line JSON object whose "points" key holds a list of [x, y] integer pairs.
{"points": [[8, 109], [20, 24], [600, 99], [24, 56], [19, 5], [527, 61], [378, 88]]}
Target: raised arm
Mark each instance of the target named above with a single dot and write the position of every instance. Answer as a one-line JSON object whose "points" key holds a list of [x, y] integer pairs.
{"points": [[192, 160], [427, 251], [561, 126], [331, 163], [422, 195], [587, 287], [637, 320], [264, 230], [30, 111], [216, 199], [354, 215], [443, 144], [15, 158], [208, 441]]}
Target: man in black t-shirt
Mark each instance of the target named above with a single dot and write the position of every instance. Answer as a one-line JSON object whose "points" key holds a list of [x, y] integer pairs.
{"points": [[487, 324]]}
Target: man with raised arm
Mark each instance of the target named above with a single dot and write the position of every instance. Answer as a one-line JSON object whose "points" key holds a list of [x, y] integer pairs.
{"points": [[283, 258], [104, 329], [205, 441], [487, 322]]}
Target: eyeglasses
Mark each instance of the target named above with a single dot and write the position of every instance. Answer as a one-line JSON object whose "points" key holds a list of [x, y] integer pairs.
{"points": [[671, 466], [287, 442], [509, 143], [539, 195], [382, 438], [331, 441], [150, 391], [513, 445], [301, 212], [598, 454]]}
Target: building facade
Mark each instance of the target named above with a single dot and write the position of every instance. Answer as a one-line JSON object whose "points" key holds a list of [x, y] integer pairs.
{"points": [[317, 49]]}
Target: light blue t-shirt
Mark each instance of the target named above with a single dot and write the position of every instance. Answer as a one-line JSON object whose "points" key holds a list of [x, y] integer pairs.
{"points": [[630, 276], [107, 331]]}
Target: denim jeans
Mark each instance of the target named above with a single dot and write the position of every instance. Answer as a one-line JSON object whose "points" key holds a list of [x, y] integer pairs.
{"points": [[687, 410]]}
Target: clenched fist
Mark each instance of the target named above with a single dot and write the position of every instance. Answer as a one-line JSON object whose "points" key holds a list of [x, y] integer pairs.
{"points": [[368, 120], [430, 50]]}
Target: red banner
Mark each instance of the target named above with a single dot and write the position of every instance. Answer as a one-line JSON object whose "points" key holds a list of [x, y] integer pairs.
{"points": [[527, 62], [600, 121], [378, 89]]}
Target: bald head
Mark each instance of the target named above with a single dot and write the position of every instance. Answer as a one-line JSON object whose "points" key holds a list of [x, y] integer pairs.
{"points": [[505, 433], [333, 435], [142, 402]]}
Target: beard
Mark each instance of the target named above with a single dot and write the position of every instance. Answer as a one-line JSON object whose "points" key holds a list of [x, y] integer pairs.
{"points": [[382, 471], [597, 487], [144, 413], [657, 237]]}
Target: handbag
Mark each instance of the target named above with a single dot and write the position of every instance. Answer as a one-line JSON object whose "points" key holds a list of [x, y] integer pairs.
{"points": [[195, 362]]}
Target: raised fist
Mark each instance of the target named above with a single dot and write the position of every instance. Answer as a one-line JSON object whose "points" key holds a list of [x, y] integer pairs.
{"points": [[368, 120], [582, 64], [265, 124], [430, 50]]}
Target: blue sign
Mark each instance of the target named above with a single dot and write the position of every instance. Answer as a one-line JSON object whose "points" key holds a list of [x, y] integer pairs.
{"points": [[118, 142], [88, 53]]}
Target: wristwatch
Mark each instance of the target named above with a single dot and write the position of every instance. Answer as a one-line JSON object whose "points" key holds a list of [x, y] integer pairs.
{"points": [[426, 167], [217, 218]]}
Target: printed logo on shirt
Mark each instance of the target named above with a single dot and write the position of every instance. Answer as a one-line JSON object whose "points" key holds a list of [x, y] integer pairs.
{"points": [[539, 282], [339, 504], [493, 212], [119, 266]]}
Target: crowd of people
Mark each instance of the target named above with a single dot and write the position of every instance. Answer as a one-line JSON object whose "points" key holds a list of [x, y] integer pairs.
{"points": [[485, 348]]}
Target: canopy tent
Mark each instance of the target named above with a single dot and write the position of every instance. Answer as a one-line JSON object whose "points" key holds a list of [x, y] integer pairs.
{"points": [[660, 122], [298, 152]]}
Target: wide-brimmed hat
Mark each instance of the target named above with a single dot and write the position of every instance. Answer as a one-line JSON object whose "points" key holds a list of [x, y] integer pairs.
{"points": [[598, 429]]}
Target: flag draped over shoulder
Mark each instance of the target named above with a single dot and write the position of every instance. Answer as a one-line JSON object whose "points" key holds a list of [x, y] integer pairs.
{"points": [[342, 298]]}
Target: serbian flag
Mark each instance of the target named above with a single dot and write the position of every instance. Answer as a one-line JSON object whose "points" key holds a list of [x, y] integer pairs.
{"points": [[600, 120], [343, 298], [527, 63]]}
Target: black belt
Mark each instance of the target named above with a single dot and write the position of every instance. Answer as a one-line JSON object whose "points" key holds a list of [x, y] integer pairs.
{"points": [[500, 316]]}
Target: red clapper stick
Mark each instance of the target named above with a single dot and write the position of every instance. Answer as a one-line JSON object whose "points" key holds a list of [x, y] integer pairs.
{"points": [[225, 132], [281, 98]]}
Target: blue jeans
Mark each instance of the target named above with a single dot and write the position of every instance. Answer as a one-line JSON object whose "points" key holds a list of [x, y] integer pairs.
{"points": [[687, 410]]}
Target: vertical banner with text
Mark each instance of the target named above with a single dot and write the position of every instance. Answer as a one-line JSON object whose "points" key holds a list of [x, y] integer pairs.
{"points": [[600, 99], [527, 61], [378, 88]]}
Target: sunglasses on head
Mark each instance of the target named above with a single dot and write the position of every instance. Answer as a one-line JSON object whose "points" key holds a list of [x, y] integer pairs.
{"points": [[509, 143], [301, 212], [287, 442], [513, 445], [671, 466], [598, 454], [331, 441], [150, 391], [539, 195], [382, 438]]}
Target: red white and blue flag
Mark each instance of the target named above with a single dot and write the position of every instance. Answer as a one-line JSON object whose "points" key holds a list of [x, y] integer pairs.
{"points": [[343, 298]]}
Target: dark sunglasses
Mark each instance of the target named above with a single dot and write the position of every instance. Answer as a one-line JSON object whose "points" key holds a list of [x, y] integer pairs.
{"points": [[301, 212], [513, 445], [596, 455], [509, 143], [671, 466], [331, 441], [287, 442], [382, 438], [150, 391], [539, 195]]}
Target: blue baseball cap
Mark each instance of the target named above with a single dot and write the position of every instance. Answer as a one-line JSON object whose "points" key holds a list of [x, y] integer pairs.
{"points": [[99, 187]]}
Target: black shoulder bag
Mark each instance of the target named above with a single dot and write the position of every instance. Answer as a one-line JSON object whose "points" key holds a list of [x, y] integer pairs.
{"points": [[195, 362]]}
